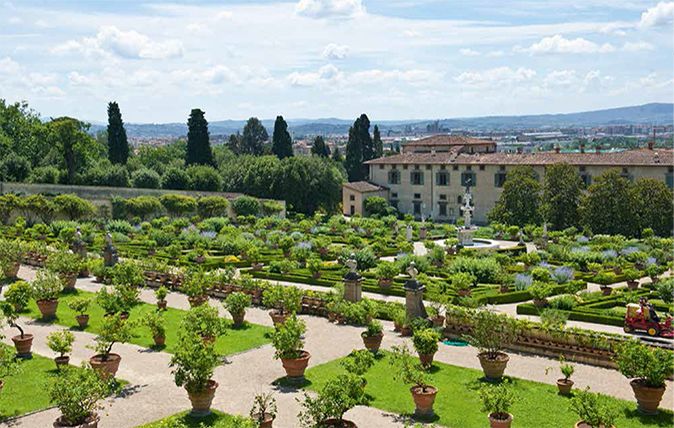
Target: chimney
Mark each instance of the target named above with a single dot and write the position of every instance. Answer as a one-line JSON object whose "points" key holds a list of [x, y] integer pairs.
{"points": [[519, 150], [556, 149], [651, 143], [597, 149]]}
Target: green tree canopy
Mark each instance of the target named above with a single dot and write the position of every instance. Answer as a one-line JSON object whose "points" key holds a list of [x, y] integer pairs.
{"points": [[607, 206], [253, 139], [653, 206], [377, 143], [22, 132], [319, 148], [282, 144], [118, 146], [71, 145], [198, 140], [359, 149], [519, 203], [561, 196]]}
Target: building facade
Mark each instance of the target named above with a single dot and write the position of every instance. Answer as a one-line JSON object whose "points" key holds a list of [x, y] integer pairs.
{"points": [[428, 179]]}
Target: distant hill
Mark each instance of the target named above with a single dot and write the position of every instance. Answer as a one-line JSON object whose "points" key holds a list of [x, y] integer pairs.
{"points": [[653, 113]]}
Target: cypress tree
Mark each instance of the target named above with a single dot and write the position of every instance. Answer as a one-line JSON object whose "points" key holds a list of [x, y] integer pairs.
{"points": [[198, 143], [118, 145], [319, 148], [359, 148], [282, 144], [336, 155], [376, 141]]}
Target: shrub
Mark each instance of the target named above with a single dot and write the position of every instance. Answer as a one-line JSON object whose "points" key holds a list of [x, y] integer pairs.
{"points": [[175, 178], [282, 298], [358, 361], [161, 293], [203, 321], [264, 405], [540, 290], [595, 409], [540, 274], [406, 369], [45, 175], [77, 392], [113, 330], [143, 206], [245, 206], [236, 303], [14, 168], [287, 338], [486, 269], [64, 263], [462, 280], [665, 289], [497, 400], [650, 365], [73, 207], [61, 342], [565, 302], [79, 305], [522, 281], [154, 321], [492, 332], [194, 362], [376, 205], [203, 177], [145, 178], [365, 257], [386, 270], [553, 319], [178, 205], [335, 398], [374, 328], [426, 341], [212, 206], [562, 274], [19, 294], [46, 286]]}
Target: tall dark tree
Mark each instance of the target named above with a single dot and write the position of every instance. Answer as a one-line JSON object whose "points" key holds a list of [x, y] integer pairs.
{"points": [[561, 196], [377, 143], [254, 137], [234, 142], [519, 203], [337, 155], [282, 144], [319, 148], [70, 139], [359, 149], [118, 145], [607, 208], [198, 140], [652, 200]]}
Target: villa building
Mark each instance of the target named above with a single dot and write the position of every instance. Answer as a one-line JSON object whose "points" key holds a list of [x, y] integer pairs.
{"points": [[428, 178]]}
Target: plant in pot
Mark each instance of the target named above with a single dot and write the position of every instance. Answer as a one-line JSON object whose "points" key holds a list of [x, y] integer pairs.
{"points": [[161, 293], [539, 292], [373, 335], [462, 282], [80, 305], [236, 303], [108, 301], [114, 329], [61, 342], [283, 301], [399, 317], [18, 294], [253, 256], [410, 372], [23, 341], [205, 322], [358, 362], [648, 368], [287, 340], [654, 271], [594, 410], [385, 273], [336, 397], [45, 289], [11, 254], [490, 334], [66, 265], [193, 364], [155, 322], [496, 401], [77, 393], [196, 287], [127, 297], [425, 342], [264, 410], [314, 265], [632, 278], [564, 384]]}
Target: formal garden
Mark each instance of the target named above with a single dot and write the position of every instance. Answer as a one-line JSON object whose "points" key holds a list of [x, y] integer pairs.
{"points": [[181, 311]]}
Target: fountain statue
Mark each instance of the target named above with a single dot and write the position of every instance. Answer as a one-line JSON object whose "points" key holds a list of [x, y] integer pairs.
{"points": [[353, 281], [465, 234]]}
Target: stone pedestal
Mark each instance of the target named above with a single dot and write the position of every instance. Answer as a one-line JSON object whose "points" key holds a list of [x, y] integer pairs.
{"points": [[466, 237], [353, 287], [110, 257], [79, 248], [414, 299], [422, 232]]}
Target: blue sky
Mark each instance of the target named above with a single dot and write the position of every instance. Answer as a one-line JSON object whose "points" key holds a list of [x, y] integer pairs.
{"points": [[393, 59]]}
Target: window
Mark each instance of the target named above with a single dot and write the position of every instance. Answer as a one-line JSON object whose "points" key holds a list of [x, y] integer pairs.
{"points": [[442, 178], [481, 167], [428, 167], [459, 200], [394, 176], [587, 179], [352, 197], [442, 167], [442, 209], [404, 166], [626, 174], [394, 195], [394, 203], [468, 179], [455, 167], [443, 197], [352, 210], [381, 166], [581, 168], [417, 196], [417, 178], [499, 179], [417, 208]]}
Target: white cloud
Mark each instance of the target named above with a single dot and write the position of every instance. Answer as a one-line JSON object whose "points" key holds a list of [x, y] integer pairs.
{"points": [[660, 14], [469, 52], [413, 77], [125, 44], [560, 78], [412, 33], [335, 51], [8, 66], [15, 20], [560, 44], [13, 74], [325, 74], [637, 46], [594, 81], [495, 77], [330, 8]]}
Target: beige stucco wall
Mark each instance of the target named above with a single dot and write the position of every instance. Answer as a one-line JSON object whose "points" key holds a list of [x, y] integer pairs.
{"points": [[358, 200]]}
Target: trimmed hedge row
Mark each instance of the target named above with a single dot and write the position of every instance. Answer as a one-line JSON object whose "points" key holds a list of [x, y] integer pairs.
{"points": [[531, 309]]}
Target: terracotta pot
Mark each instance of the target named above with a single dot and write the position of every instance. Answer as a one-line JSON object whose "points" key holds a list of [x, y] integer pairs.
{"points": [[426, 359], [267, 420], [564, 386], [23, 345], [161, 304], [48, 308], [493, 368], [295, 367], [648, 398], [124, 316], [159, 340], [12, 271], [632, 284], [464, 293], [423, 401], [372, 343], [503, 289], [108, 367], [201, 401], [278, 318], [385, 282], [406, 331], [197, 301], [583, 424], [497, 420], [82, 320], [336, 423], [238, 318], [438, 321], [62, 361], [69, 280], [91, 422], [208, 339], [606, 291], [397, 326]]}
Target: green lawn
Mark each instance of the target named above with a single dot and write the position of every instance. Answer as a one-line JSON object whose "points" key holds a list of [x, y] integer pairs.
{"points": [[215, 420], [236, 340], [457, 403]]}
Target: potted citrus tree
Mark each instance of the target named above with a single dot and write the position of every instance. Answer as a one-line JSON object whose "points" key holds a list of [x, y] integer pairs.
{"points": [[385, 273], [287, 340], [45, 290], [490, 334], [410, 372], [648, 368], [161, 293], [632, 278], [11, 254], [80, 305], [425, 342], [373, 335], [335, 398], [114, 329], [236, 303], [77, 392], [66, 265], [193, 364], [594, 410], [61, 342], [155, 322], [264, 410], [204, 321], [18, 294], [496, 401], [283, 301], [196, 287], [23, 342], [564, 384]]}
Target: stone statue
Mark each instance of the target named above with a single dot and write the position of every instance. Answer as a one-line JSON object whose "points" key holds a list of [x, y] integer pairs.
{"points": [[78, 246], [412, 271], [353, 287], [110, 257], [409, 232], [351, 263], [467, 209]]}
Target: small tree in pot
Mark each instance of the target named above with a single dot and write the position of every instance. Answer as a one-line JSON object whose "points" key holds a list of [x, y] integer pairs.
{"points": [[18, 294], [61, 342], [540, 291], [264, 410], [287, 340], [373, 335], [66, 265], [496, 401], [425, 342], [154, 321], [196, 286], [337, 396], [491, 333], [236, 303], [23, 341], [80, 305], [114, 329], [648, 367], [161, 293], [283, 300], [205, 322], [410, 372], [11, 254], [462, 282], [77, 393], [45, 290], [632, 278], [194, 362], [314, 264], [385, 273], [594, 410], [564, 384]]}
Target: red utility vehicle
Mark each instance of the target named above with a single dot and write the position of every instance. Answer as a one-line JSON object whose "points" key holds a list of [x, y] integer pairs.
{"points": [[642, 317]]}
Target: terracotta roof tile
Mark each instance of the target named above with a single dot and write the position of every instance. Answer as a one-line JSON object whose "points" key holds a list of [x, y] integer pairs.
{"points": [[363, 186], [448, 140]]}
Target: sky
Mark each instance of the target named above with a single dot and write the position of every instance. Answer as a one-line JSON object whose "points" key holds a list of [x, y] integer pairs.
{"points": [[392, 59]]}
